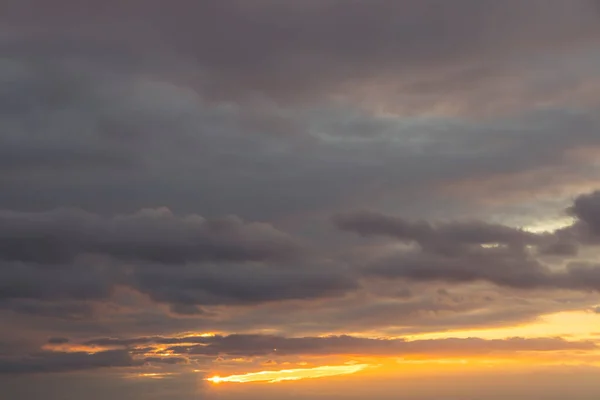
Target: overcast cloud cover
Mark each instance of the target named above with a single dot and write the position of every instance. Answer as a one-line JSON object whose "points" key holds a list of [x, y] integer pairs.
{"points": [[315, 181]]}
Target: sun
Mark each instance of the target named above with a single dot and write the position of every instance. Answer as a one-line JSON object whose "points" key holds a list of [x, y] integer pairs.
{"points": [[215, 379]]}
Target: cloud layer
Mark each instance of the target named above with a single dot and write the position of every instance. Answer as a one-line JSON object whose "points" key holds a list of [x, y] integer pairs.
{"points": [[188, 186], [477, 251]]}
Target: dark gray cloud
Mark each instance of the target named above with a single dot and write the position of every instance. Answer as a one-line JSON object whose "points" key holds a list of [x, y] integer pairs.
{"points": [[560, 248], [584, 230], [286, 49], [233, 284], [186, 309], [197, 284], [80, 281], [586, 208], [111, 109], [64, 362], [166, 360], [499, 266], [115, 139], [185, 261], [45, 307], [58, 340], [152, 235], [443, 237], [584, 276], [263, 345], [475, 251]]}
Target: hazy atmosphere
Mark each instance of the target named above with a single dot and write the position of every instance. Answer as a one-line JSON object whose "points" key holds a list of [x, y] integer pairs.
{"points": [[299, 199]]}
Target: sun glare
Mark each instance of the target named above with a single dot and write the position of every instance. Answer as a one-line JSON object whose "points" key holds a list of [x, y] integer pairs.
{"points": [[290, 374]]}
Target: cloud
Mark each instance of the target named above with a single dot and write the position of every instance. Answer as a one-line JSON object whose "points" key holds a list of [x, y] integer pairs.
{"points": [[186, 309], [64, 362], [206, 284], [501, 267], [229, 111], [42, 307], [586, 208], [152, 235], [269, 345], [184, 261], [476, 251], [166, 360], [375, 310], [441, 237], [229, 284], [58, 340], [266, 48], [141, 140], [20, 280]]}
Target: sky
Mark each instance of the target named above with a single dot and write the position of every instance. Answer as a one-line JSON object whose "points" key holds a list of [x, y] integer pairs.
{"points": [[316, 199]]}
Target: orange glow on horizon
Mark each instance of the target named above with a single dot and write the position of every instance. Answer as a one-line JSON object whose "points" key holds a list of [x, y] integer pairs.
{"points": [[567, 324], [291, 374]]}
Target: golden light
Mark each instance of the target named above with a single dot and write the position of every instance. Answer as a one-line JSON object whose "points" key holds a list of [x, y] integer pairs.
{"points": [[74, 348], [571, 324], [184, 335], [215, 379], [291, 374]]}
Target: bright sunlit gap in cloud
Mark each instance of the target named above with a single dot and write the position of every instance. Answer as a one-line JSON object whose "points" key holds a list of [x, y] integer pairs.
{"points": [[549, 225], [291, 374]]}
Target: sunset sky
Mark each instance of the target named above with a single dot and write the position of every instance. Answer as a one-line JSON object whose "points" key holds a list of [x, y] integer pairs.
{"points": [[299, 199]]}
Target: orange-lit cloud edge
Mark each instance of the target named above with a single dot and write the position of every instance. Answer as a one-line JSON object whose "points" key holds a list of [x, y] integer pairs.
{"points": [[569, 325], [576, 324]]}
